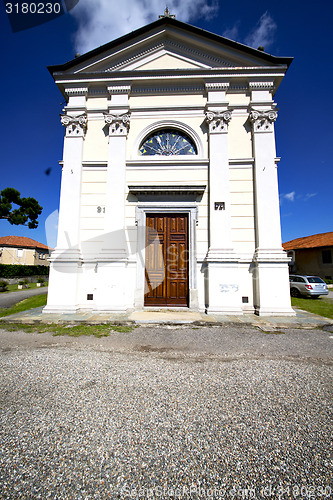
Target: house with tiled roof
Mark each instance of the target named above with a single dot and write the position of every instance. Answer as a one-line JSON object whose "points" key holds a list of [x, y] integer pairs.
{"points": [[312, 255], [24, 251]]}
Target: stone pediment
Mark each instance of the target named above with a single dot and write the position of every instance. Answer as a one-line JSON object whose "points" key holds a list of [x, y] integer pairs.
{"points": [[168, 44]]}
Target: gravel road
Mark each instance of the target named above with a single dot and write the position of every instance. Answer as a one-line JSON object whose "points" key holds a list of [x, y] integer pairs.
{"points": [[178, 412]]}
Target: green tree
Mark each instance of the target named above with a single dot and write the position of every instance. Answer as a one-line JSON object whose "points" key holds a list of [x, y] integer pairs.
{"points": [[27, 212]]}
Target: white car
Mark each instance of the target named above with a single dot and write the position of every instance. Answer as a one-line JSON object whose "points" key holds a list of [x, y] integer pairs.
{"points": [[311, 286]]}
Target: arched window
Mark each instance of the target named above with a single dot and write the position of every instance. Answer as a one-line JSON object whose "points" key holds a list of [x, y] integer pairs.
{"points": [[167, 142]]}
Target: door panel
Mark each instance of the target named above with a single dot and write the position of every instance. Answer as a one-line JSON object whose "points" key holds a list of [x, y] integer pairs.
{"points": [[166, 270]]}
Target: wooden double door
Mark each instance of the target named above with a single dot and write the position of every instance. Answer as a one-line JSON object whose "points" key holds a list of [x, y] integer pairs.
{"points": [[166, 260]]}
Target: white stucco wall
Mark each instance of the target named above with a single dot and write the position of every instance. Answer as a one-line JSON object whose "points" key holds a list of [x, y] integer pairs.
{"points": [[96, 150], [93, 191]]}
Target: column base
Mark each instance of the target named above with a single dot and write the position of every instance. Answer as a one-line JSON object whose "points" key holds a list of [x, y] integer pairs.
{"points": [[223, 287], [269, 311], [271, 283], [60, 309], [115, 286]]}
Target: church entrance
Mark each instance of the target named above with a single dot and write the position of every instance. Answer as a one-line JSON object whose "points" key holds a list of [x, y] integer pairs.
{"points": [[166, 260]]}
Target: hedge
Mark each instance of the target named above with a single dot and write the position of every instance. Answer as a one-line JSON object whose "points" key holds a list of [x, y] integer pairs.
{"points": [[18, 271]]}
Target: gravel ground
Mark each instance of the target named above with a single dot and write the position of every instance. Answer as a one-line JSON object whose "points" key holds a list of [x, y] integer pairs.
{"points": [[223, 412]]}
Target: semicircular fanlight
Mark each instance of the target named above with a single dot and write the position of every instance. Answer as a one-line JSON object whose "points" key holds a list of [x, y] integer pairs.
{"points": [[167, 142]]}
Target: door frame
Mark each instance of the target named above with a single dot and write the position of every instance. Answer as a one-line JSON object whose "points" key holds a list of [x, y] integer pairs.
{"points": [[165, 208]]}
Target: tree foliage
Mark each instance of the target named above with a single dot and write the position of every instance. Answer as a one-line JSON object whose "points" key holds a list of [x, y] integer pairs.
{"points": [[27, 212]]}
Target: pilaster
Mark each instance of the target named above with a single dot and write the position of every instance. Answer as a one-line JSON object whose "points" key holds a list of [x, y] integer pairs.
{"points": [[223, 282], [114, 246], [218, 117], [113, 267], [66, 259], [271, 284]]}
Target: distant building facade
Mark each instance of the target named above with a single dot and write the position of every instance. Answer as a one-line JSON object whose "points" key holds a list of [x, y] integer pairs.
{"points": [[23, 251], [169, 193], [312, 255]]}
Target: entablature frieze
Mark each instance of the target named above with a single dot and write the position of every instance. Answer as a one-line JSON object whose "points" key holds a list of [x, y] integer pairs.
{"points": [[172, 89], [261, 83], [168, 163]]}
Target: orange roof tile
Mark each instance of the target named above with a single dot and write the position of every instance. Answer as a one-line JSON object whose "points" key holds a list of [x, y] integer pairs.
{"points": [[21, 241], [314, 241]]}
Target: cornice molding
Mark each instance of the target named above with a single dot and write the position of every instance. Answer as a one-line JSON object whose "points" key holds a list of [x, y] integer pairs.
{"points": [[137, 56], [199, 53], [245, 72], [119, 89], [261, 86], [76, 126], [76, 91], [101, 92], [211, 86], [167, 45], [238, 88]]}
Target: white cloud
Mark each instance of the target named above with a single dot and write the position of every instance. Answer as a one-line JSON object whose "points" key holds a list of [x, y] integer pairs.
{"points": [[233, 32], [299, 197], [100, 21], [263, 33], [309, 195], [290, 196]]}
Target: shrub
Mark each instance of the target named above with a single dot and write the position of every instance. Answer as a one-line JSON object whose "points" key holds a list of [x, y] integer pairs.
{"points": [[25, 283], [3, 286], [18, 271]]}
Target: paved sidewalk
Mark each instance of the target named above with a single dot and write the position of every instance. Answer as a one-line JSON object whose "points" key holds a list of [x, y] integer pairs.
{"points": [[302, 319]]}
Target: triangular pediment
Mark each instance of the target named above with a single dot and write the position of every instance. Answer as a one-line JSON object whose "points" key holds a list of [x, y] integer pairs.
{"points": [[164, 60], [168, 44]]}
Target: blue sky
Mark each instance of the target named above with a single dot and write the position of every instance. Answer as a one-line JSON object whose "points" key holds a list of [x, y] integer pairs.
{"points": [[32, 136]]}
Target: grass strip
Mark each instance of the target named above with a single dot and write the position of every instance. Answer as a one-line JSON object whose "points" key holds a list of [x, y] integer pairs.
{"points": [[320, 306], [14, 288], [25, 305], [70, 330], [56, 330]]}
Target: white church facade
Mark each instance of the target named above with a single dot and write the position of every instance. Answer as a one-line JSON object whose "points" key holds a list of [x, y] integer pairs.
{"points": [[169, 193]]}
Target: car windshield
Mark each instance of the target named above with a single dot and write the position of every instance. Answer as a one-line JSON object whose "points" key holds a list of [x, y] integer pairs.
{"points": [[315, 279]]}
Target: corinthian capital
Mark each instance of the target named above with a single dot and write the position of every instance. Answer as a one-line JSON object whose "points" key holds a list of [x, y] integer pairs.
{"points": [[76, 126], [218, 122], [118, 124], [262, 120]]}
